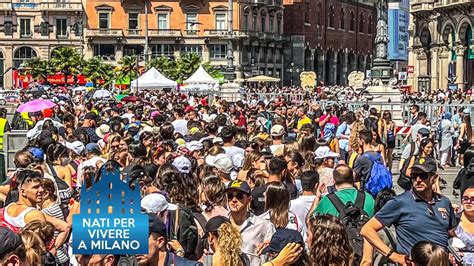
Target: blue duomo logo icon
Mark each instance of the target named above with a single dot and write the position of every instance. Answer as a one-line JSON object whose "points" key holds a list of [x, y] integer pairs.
{"points": [[110, 219]]}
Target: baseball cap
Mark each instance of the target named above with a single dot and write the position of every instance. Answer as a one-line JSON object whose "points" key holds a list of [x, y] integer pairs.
{"points": [[240, 186], [221, 161], [194, 146], [424, 132], [213, 224], [10, 241], [156, 203], [77, 146], [38, 153], [93, 148], [424, 165], [90, 115], [281, 238], [277, 130], [156, 225], [183, 164], [324, 152]]}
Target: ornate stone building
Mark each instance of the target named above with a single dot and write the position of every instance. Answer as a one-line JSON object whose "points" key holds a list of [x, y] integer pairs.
{"points": [[441, 44], [34, 28], [330, 37], [119, 28]]}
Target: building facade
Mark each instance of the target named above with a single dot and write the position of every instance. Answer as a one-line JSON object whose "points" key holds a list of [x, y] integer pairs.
{"points": [[119, 28], [331, 37], [441, 44], [33, 28]]}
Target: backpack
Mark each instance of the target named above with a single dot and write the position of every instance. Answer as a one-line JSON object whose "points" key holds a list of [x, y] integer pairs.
{"points": [[184, 229], [352, 159], [353, 217], [62, 190], [403, 180], [380, 177], [267, 124]]}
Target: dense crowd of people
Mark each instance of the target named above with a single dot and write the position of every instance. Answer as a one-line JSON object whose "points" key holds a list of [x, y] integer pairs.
{"points": [[252, 182]]}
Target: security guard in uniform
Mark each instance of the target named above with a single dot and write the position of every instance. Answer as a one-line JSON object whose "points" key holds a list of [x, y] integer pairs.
{"points": [[4, 125]]}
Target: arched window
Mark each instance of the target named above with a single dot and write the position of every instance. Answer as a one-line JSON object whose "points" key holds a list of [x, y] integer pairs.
{"points": [[319, 14], [352, 25], [342, 19], [21, 54], [369, 30], [263, 21], [331, 17], [361, 22]]}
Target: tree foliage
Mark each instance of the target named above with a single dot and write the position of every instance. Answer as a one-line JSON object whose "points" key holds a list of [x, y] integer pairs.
{"points": [[37, 68], [127, 69], [96, 69]]}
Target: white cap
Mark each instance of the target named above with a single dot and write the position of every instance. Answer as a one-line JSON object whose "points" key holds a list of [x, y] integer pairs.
{"points": [[194, 146], [102, 130], [324, 152], [77, 146], [221, 161], [156, 203], [183, 164]]}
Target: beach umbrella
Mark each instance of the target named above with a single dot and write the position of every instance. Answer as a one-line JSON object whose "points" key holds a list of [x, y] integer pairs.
{"points": [[101, 94], [35, 106]]}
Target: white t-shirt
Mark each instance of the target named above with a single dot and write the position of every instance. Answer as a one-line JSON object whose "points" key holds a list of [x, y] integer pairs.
{"points": [[300, 207], [293, 222], [180, 126], [414, 130], [233, 150]]}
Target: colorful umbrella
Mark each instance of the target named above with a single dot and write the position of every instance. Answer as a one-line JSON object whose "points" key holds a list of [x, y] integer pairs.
{"points": [[101, 94], [35, 106], [119, 97]]}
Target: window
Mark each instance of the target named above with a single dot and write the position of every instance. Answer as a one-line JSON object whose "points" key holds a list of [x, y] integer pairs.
{"points": [[342, 19], [133, 23], [105, 50], [163, 21], [246, 22], [220, 21], [352, 25], [306, 12], [331, 17], [192, 48], [21, 54], [254, 22], [369, 30], [319, 13], [361, 22], [61, 27], [218, 51], [104, 21], [191, 23], [162, 50], [270, 24], [279, 26], [25, 27], [263, 20]]}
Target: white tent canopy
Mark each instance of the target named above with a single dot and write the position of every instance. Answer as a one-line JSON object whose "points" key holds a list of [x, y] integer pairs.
{"points": [[200, 76], [152, 80]]}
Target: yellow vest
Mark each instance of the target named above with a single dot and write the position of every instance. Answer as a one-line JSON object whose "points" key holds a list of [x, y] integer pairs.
{"points": [[3, 123]]}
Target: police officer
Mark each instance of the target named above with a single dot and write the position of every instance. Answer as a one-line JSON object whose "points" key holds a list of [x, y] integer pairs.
{"points": [[418, 214]]}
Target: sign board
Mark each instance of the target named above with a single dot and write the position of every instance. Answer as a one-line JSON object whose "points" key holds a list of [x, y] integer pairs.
{"points": [[453, 87], [411, 69], [368, 73], [402, 75], [398, 34]]}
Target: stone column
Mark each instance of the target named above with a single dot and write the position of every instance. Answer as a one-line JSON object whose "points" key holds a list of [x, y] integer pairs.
{"points": [[313, 52], [345, 58], [422, 67], [434, 68], [118, 51], [322, 66], [443, 56], [8, 62], [334, 69], [459, 50]]}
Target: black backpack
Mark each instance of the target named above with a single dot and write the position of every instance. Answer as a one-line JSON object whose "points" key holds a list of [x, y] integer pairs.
{"points": [[353, 217], [403, 180], [184, 229], [63, 191]]}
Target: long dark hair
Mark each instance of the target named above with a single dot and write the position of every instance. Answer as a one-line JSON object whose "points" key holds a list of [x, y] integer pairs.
{"points": [[277, 202], [467, 120]]}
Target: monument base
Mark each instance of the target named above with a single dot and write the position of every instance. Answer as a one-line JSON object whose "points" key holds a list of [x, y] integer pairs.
{"points": [[391, 96], [230, 92], [381, 70]]}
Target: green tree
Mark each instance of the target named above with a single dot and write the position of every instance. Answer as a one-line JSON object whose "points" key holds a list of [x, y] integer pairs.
{"points": [[165, 65], [67, 61], [37, 68], [186, 65], [95, 69], [128, 68]]}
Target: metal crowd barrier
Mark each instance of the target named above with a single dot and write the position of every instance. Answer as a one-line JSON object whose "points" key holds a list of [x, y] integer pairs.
{"points": [[13, 141]]}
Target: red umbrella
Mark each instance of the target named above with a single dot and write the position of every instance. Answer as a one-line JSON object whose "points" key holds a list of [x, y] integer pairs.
{"points": [[130, 99]]}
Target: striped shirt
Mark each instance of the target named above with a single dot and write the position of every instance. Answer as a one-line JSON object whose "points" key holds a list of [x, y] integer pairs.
{"points": [[55, 211]]}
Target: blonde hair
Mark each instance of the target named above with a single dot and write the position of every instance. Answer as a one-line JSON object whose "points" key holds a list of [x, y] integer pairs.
{"points": [[250, 158], [229, 242], [214, 150], [356, 127], [34, 247]]}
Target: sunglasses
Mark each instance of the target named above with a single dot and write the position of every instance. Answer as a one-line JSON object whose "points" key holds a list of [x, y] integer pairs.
{"points": [[422, 176], [238, 195], [468, 200]]}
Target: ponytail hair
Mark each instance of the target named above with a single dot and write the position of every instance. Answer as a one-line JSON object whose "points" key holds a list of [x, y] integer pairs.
{"points": [[54, 151], [34, 247]]}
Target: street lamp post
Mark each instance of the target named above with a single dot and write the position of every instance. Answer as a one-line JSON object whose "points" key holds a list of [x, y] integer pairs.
{"points": [[293, 69], [230, 71], [381, 67]]}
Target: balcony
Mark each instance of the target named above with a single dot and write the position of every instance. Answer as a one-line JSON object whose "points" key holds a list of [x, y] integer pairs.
{"points": [[133, 32], [164, 33], [422, 6], [191, 32], [214, 33], [62, 6], [104, 33]]}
